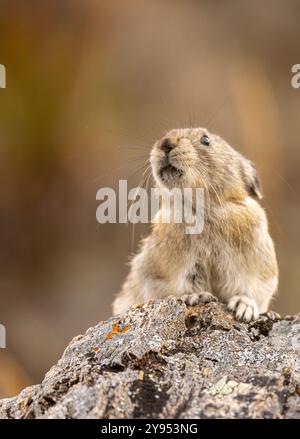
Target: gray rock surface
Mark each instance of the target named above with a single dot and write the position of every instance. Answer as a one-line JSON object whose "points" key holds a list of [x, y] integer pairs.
{"points": [[163, 360]]}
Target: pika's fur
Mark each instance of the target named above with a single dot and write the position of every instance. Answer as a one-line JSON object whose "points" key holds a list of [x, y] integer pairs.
{"points": [[233, 258]]}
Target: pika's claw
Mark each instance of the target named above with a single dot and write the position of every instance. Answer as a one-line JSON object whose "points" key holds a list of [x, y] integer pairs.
{"points": [[197, 298], [272, 315], [243, 308]]}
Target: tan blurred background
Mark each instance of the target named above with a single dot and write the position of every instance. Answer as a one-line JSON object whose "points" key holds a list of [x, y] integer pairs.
{"points": [[90, 85]]}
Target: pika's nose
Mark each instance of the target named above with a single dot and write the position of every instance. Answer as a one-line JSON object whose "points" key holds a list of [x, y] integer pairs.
{"points": [[167, 145]]}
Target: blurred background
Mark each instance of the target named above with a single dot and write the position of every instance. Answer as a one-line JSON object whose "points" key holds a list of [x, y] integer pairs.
{"points": [[91, 84]]}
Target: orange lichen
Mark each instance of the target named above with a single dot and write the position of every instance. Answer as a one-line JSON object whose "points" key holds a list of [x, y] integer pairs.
{"points": [[116, 329]]}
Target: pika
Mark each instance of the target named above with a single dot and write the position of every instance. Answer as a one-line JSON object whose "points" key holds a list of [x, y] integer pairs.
{"points": [[233, 258]]}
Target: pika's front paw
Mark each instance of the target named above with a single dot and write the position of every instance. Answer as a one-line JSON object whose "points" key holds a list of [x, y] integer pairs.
{"points": [[197, 298], [243, 308]]}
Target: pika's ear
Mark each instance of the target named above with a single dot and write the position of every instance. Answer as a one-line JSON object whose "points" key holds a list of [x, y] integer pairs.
{"points": [[253, 184]]}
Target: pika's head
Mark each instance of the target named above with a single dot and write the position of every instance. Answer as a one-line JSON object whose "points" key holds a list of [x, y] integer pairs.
{"points": [[194, 157]]}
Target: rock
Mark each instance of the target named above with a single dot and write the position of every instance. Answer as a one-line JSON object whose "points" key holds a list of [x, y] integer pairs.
{"points": [[164, 360]]}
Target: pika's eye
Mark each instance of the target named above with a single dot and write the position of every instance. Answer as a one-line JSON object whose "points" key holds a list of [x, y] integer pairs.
{"points": [[205, 140]]}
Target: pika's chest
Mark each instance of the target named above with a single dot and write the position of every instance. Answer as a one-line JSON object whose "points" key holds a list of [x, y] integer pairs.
{"points": [[193, 268]]}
